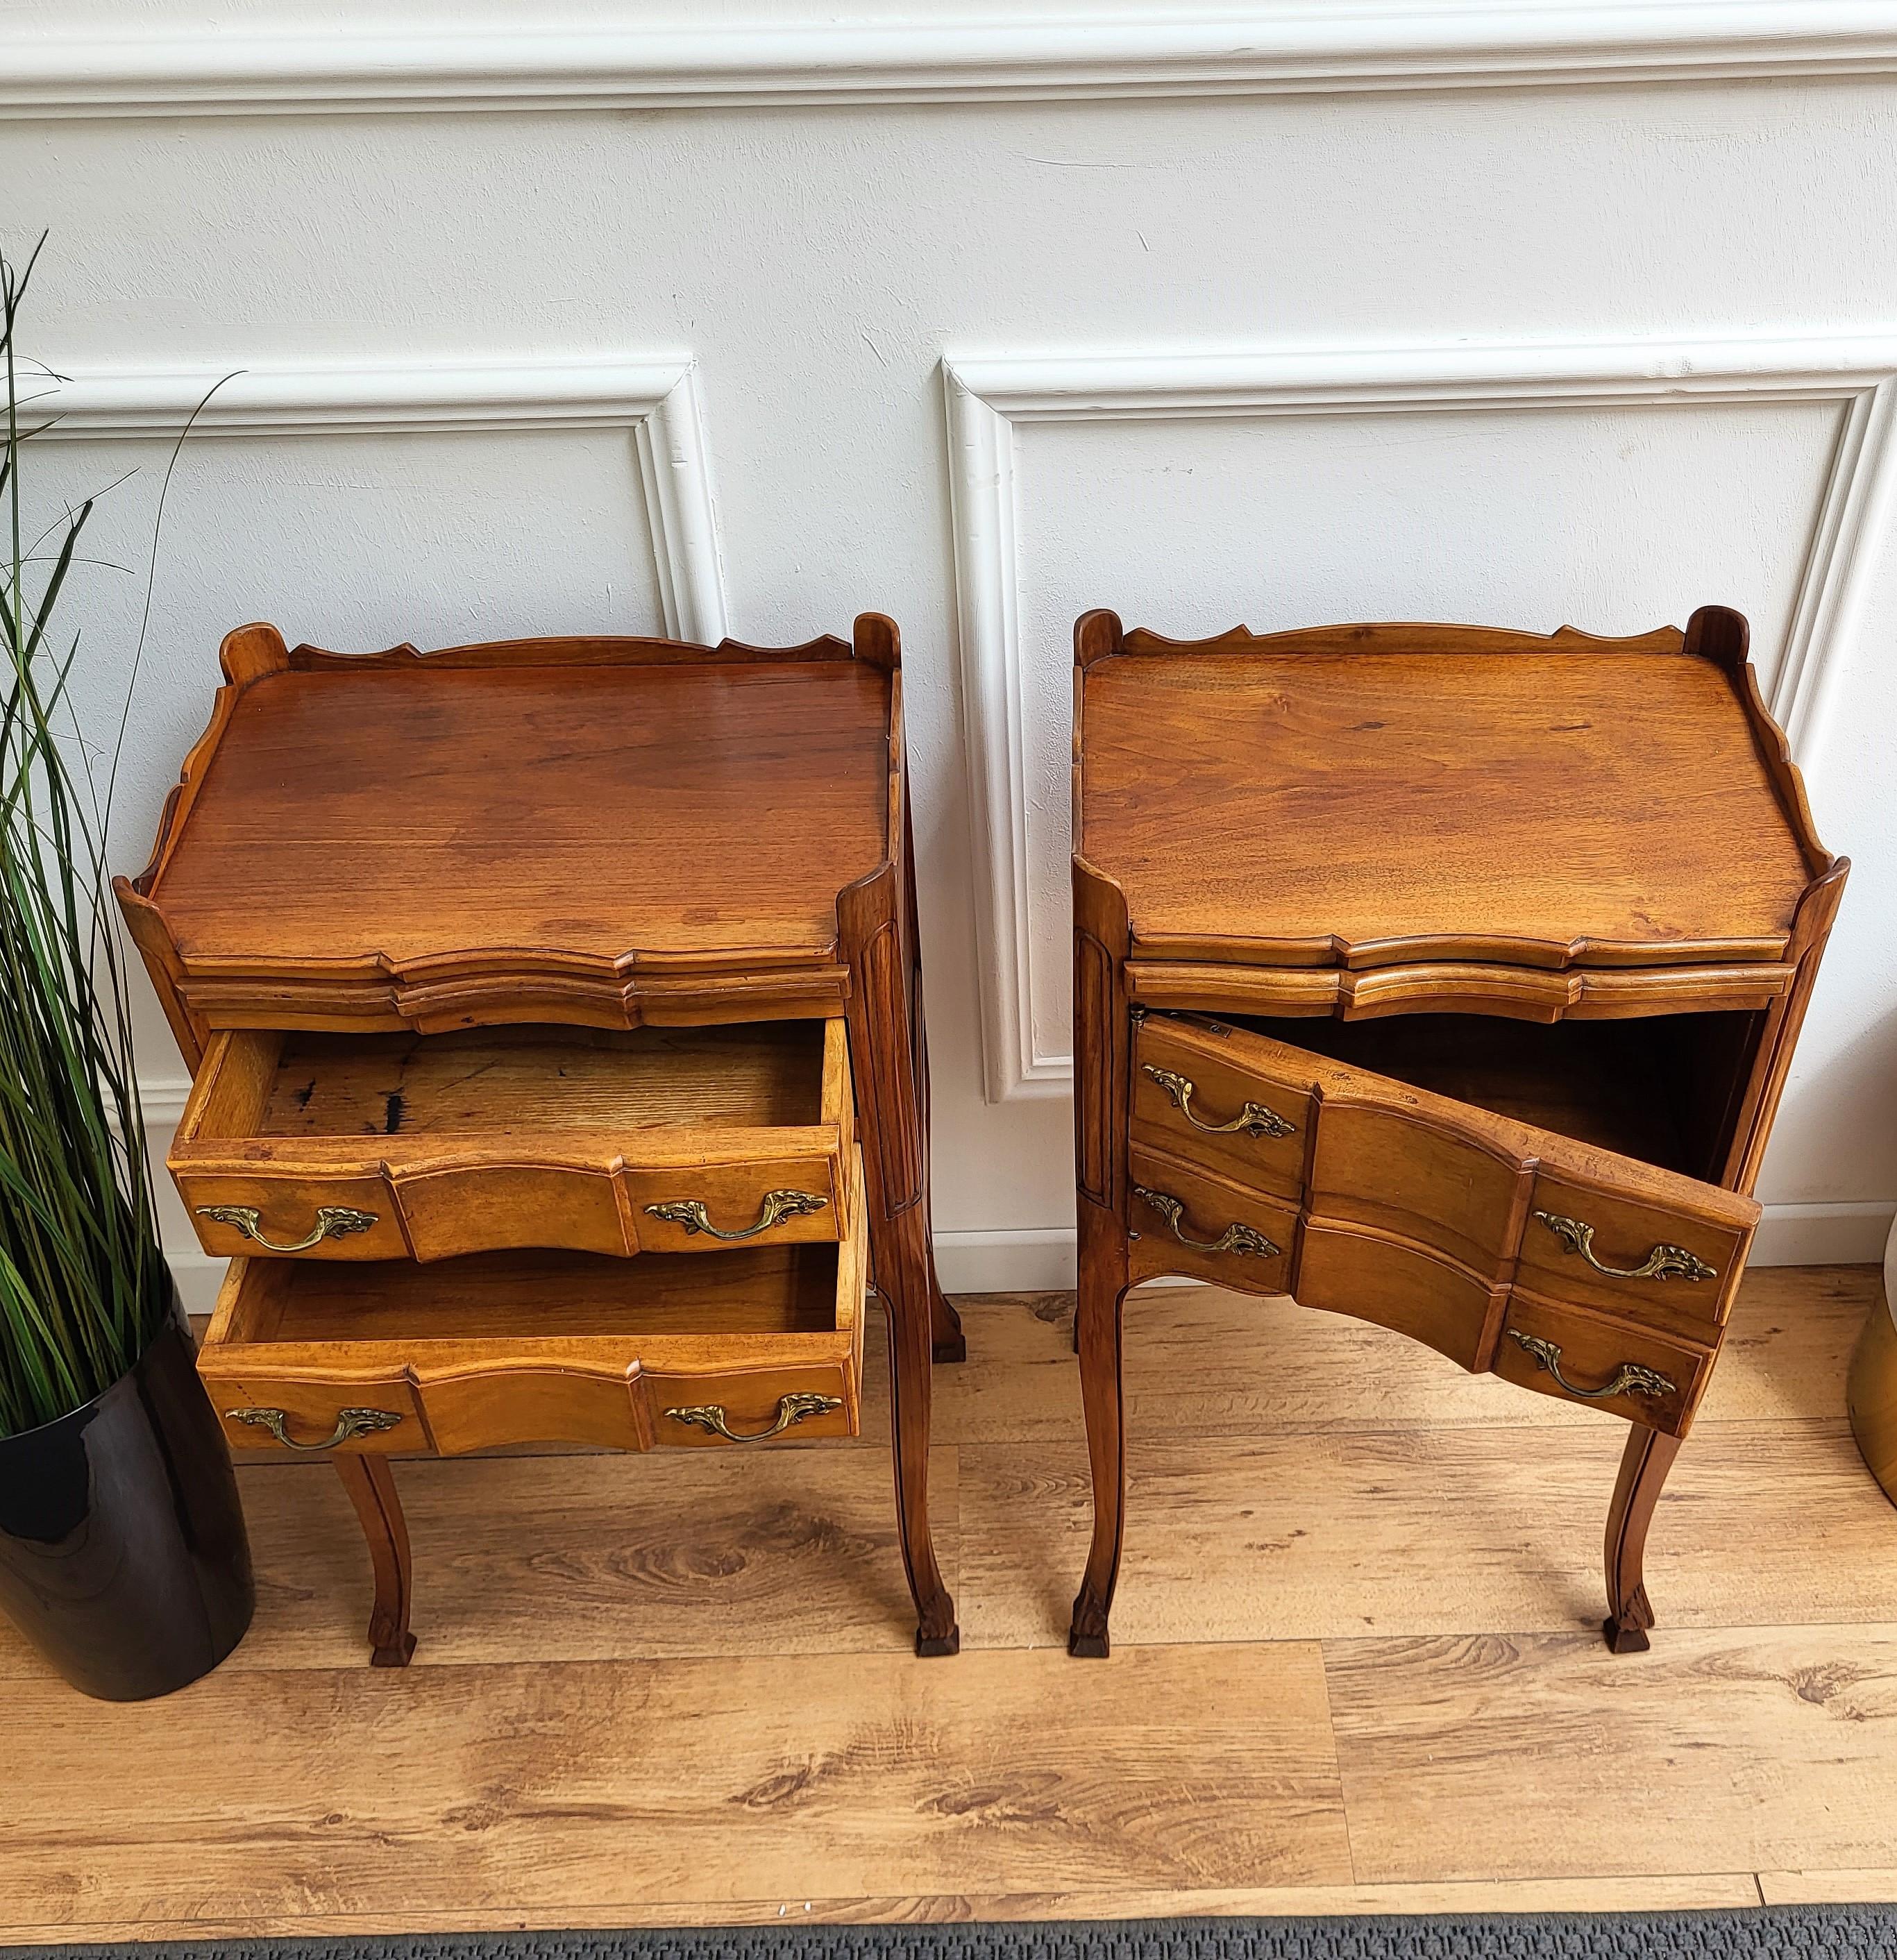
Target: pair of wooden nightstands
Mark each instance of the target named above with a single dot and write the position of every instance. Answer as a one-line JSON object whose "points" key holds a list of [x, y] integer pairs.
{"points": [[1442, 976]]}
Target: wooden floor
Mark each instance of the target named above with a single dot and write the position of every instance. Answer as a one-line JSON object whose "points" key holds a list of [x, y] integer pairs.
{"points": [[1356, 1666]]}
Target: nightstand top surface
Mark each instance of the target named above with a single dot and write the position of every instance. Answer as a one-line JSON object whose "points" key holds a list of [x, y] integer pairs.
{"points": [[1544, 808], [394, 814]]}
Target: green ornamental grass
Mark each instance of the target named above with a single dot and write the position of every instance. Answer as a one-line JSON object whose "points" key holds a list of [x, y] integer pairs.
{"points": [[83, 1282]]}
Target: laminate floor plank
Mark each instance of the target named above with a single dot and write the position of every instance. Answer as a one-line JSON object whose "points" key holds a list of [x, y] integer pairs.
{"points": [[1420, 1532], [1282, 1367], [601, 1556], [534, 1786], [1877, 1886], [1687, 1893], [1489, 1756]]}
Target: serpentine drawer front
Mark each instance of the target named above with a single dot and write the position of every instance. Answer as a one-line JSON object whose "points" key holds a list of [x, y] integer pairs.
{"points": [[506, 1347], [1446, 977], [367, 1147], [1430, 1215]]}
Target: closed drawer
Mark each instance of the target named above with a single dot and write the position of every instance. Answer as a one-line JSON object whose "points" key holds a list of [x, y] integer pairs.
{"points": [[1598, 1247], [367, 1147], [1425, 1212], [1371, 1276], [1606, 1364], [500, 1347], [1194, 1101], [1190, 1223]]}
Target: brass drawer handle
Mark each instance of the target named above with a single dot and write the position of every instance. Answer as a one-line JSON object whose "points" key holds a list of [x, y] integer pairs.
{"points": [[1629, 1378], [1241, 1240], [332, 1221], [791, 1410], [1663, 1263], [690, 1213], [1254, 1119], [349, 1422]]}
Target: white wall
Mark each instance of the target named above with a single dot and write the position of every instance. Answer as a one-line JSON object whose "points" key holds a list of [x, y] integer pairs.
{"points": [[1287, 315]]}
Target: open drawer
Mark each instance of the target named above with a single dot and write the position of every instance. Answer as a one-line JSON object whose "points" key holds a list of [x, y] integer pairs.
{"points": [[365, 1146], [500, 1347], [1569, 1266]]}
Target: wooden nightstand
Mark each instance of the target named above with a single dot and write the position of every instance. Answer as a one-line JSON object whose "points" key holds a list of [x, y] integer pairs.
{"points": [[503, 967], [1442, 976]]}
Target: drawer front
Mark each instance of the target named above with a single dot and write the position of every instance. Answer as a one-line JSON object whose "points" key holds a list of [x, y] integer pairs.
{"points": [[1203, 1226], [1194, 1102], [752, 1405], [1373, 1278], [1604, 1248], [1603, 1363], [479, 1406], [712, 1206], [1379, 1165], [493, 1208], [311, 1218], [512, 1349], [444, 1213], [528, 1142], [372, 1410]]}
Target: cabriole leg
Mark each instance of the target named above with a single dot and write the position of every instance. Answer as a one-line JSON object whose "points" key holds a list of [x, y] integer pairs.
{"points": [[1100, 1313], [1643, 1465], [905, 1284], [370, 1483]]}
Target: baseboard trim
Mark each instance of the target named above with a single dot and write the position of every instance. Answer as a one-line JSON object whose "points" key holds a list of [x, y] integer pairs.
{"points": [[1041, 1259], [1824, 1235]]}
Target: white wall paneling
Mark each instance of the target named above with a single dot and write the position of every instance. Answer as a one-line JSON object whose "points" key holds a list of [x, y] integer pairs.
{"points": [[655, 402], [1287, 46], [989, 399]]}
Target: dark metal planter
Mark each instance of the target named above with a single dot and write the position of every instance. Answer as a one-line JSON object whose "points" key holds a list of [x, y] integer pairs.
{"points": [[123, 1553]]}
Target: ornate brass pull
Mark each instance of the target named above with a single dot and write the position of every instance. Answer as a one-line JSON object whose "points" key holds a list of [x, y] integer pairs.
{"points": [[1241, 1240], [791, 1410], [332, 1221], [1663, 1263], [1255, 1120], [1629, 1378], [691, 1215], [349, 1422]]}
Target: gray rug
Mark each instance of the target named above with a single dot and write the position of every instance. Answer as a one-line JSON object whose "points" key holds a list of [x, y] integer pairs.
{"points": [[1834, 1932]]}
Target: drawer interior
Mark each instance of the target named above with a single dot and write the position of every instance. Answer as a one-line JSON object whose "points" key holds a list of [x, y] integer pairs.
{"points": [[536, 1296], [498, 1080], [1663, 1089]]}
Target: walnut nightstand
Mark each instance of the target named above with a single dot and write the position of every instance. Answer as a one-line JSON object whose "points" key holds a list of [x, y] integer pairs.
{"points": [[1442, 976], [556, 1016]]}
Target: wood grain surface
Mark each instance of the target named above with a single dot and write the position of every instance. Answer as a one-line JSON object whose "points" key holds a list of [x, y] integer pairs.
{"points": [[768, 1075], [1382, 1693], [1254, 801], [377, 813]]}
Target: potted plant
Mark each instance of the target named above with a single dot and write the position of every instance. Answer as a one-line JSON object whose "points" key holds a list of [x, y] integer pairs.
{"points": [[123, 1553]]}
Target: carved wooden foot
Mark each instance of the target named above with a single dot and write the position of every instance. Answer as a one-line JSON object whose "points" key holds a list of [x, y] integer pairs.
{"points": [[1627, 1634], [370, 1483], [1087, 1638], [947, 1340]]}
